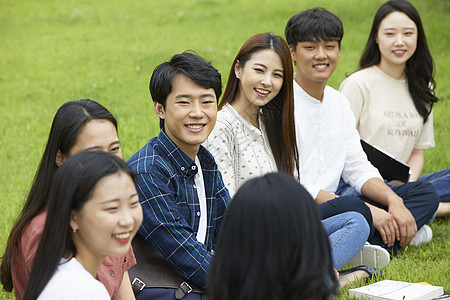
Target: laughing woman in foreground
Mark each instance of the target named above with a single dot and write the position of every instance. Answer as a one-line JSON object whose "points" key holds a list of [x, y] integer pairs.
{"points": [[98, 213]]}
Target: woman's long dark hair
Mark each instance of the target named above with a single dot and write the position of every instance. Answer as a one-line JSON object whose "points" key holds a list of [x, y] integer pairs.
{"points": [[67, 125], [272, 245], [70, 189], [419, 69], [278, 114]]}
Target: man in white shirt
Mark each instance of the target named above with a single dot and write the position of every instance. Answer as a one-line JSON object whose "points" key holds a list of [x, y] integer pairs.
{"points": [[329, 144]]}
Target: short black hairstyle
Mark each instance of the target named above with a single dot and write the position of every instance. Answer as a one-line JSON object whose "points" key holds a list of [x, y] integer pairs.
{"points": [[192, 66], [313, 25]]}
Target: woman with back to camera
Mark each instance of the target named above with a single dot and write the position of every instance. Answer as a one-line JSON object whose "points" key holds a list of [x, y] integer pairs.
{"points": [[280, 252], [392, 93], [78, 125], [255, 134], [98, 213]]}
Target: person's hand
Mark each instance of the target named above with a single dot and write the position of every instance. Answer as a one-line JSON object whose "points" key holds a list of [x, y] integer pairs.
{"points": [[386, 224], [405, 221]]}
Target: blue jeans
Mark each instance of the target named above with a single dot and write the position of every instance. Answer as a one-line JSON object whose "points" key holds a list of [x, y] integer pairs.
{"points": [[419, 197], [441, 182], [347, 233], [345, 189], [345, 204]]}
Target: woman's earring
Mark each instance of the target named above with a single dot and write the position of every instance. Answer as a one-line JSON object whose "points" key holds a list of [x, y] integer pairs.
{"points": [[237, 77], [74, 230]]}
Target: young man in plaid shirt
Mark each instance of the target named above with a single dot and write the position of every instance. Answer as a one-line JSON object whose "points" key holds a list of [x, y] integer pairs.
{"points": [[180, 188]]}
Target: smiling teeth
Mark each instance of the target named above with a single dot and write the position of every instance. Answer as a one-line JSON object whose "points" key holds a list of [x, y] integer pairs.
{"points": [[262, 91], [320, 66], [122, 236], [399, 51], [194, 126]]}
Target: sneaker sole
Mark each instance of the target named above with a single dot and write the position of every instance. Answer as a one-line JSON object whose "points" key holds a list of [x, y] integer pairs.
{"points": [[372, 255]]}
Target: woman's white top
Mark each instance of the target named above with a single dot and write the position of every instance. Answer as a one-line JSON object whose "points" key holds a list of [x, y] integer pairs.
{"points": [[72, 281], [241, 150], [385, 113]]}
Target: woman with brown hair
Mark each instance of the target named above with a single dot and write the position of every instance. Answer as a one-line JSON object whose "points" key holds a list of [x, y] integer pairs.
{"points": [[255, 132], [255, 135]]}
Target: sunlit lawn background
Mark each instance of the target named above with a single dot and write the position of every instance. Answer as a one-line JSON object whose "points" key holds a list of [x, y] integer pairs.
{"points": [[55, 51]]}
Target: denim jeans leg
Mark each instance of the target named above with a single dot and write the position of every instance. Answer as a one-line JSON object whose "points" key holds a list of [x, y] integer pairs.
{"points": [[345, 204], [441, 182], [419, 198], [344, 189], [347, 233]]}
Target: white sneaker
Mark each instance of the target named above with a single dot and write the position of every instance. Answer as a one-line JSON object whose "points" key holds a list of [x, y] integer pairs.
{"points": [[372, 255], [423, 236]]}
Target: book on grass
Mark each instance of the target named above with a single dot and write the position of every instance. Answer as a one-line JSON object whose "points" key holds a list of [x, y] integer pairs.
{"points": [[389, 167], [397, 290]]}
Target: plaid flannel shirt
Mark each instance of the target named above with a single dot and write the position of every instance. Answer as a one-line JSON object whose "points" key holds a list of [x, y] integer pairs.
{"points": [[171, 207]]}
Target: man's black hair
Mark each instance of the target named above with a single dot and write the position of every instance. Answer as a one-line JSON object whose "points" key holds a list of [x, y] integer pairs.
{"points": [[192, 66], [313, 25]]}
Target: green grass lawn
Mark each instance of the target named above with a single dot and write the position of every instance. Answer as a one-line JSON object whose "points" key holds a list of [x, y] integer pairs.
{"points": [[55, 51]]}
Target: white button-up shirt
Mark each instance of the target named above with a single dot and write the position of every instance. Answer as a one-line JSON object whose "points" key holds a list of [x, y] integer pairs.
{"points": [[328, 143]]}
